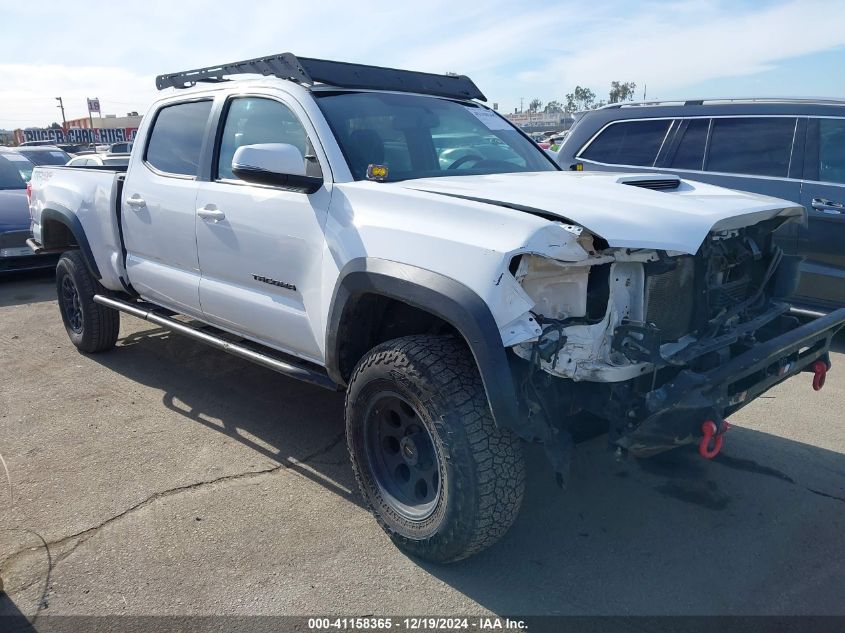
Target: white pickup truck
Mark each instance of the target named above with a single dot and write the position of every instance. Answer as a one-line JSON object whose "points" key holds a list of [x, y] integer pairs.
{"points": [[383, 232]]}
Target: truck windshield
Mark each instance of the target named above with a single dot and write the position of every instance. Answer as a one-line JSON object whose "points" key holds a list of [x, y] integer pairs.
{"points": [[416, 136]]}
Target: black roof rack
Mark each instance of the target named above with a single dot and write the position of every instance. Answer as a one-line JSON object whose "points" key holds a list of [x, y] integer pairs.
{"points": [[307, 71]]}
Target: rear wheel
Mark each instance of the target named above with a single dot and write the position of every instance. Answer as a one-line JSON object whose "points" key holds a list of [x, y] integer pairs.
{"points": [[91, 327], [438, 474]]}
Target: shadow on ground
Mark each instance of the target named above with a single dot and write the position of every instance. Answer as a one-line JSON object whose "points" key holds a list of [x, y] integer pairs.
{"points": [[758, 530], [32, 286]]}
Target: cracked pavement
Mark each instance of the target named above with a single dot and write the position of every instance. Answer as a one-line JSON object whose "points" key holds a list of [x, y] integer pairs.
{"points": [[168, 478]]}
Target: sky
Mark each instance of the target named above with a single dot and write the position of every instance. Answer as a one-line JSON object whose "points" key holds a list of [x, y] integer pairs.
{"points": [[514, 51]]}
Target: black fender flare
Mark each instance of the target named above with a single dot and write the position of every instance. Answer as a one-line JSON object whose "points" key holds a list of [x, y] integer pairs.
{"points": [[71, 221], [445, 298]]}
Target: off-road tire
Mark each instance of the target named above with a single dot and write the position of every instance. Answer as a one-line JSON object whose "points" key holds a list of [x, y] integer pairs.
{"points": [[481, 466], [91, 327]]}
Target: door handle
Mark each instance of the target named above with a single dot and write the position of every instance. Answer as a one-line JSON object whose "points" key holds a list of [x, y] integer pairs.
{"points": [[828, 206], [211, 212], [136, 201]]}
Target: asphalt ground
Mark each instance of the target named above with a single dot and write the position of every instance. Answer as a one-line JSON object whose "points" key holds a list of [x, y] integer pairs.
{"points": [[164, 477]]}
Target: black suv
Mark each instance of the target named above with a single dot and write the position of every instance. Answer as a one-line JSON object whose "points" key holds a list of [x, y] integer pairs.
{"points": [[787, 148]]}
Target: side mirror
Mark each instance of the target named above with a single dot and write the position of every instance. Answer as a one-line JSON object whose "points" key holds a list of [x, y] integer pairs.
{"points": [[276, 164]]}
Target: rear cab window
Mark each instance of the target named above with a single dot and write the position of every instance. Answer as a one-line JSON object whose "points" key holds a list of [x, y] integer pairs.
{"points": [[628, 143], [47, 157], [176, 139]]}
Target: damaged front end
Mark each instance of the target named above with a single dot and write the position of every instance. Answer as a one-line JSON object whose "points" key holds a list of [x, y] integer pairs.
{"points": [[657, 343]]}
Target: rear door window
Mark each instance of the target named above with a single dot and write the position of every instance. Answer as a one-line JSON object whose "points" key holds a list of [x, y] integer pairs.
{"points": [[690, 152], [177, 136], [628, 143], [757, 146]]}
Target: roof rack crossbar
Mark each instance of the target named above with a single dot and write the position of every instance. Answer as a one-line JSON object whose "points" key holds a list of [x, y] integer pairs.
{"points": [[308, 71]]}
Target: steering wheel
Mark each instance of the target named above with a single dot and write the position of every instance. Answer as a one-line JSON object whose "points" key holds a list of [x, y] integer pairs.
{"points": [[464, 159]]}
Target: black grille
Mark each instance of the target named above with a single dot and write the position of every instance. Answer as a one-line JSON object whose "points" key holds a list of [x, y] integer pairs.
{"points": [[670, 299], [657, 184], [14, 239]]}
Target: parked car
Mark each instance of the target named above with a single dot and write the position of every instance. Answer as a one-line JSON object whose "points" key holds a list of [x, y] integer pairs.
{"points": [[98, 160], [23, 164], [37, 143], [75, 149], [15, 255], [789, 148], [463, 307], [44, 154], [121, 148]]}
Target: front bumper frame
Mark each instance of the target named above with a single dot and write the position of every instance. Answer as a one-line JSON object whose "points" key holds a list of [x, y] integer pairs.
{"points": [[671, 415]]}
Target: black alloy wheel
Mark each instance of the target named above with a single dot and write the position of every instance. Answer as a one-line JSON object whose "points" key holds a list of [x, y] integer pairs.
{"points": [[402, 457], [70, 304]]}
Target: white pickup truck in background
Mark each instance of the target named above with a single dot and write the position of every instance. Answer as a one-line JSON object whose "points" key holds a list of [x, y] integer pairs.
{"points": [[383, 232]]}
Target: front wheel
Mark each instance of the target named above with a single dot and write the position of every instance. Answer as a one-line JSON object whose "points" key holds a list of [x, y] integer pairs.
{"points": [[438, 474], [91, 327]]}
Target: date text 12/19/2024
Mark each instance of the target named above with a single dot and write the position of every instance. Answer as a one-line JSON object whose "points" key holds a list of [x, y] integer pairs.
{"points": [[416, 624]]}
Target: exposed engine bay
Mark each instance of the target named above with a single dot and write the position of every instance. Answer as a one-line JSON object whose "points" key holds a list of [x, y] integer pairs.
{"points": [[620, 325], [620, 314]]}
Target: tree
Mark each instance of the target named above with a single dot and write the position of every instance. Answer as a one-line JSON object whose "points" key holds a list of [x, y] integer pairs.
{"points": [[622, 91], [534, 105], [580, 99], [552, 107]]}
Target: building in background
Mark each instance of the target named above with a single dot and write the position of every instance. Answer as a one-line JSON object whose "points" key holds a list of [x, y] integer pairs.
{"points": [[107, 129]]}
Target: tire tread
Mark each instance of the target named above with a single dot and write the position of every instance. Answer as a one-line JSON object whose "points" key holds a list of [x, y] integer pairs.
{"points": [[489, 458], [101, 325]]}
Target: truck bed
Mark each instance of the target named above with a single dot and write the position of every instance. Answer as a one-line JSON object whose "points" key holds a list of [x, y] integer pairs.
{"points": [[88, 197]]}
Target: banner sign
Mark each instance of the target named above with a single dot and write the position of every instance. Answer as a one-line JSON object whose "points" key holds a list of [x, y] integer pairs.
{"points": [[77, 135]]}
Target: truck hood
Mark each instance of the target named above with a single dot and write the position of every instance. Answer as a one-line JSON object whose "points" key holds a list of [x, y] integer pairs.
{"points": [[618, 207]]}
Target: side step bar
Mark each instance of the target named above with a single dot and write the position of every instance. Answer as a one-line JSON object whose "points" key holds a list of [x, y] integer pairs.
{"points": [[300, 372]]}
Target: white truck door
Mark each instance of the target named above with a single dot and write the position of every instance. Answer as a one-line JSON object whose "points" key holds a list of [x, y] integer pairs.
{"points": [[159, 208], [260, 247]]}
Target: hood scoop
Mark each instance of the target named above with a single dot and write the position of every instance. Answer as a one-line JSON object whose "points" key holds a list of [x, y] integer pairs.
{"points": [[656, 182]]}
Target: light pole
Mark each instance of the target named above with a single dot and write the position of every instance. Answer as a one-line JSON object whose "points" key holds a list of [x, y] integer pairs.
{"points": [[64, 120]]}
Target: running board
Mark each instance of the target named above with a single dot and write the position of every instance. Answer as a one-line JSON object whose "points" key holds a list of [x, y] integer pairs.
{"points": [[300, 372]]}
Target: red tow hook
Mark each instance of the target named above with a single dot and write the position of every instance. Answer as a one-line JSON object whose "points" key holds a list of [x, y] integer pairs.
{"points": [[819, 374], [714, 434]]}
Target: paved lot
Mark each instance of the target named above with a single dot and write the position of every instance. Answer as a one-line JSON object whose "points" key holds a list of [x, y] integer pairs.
{"points": [[168, 478]]}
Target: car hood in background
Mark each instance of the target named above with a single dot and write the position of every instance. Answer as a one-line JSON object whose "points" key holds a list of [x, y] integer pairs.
{"points": [[14, 210], [625, 215]]}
